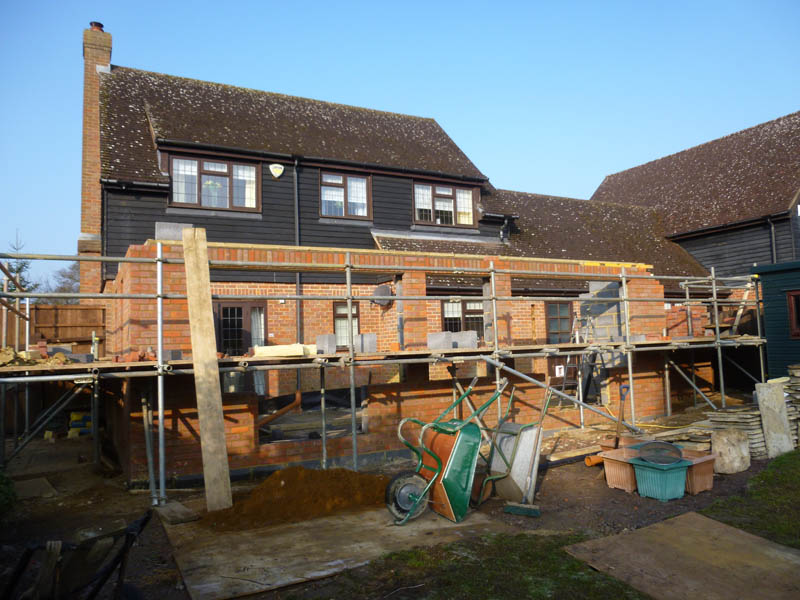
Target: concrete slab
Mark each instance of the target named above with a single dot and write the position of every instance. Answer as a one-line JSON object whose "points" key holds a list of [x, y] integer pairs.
{"points": [[41, 457], [732, 449], [218, 565], [774, 419], [37, 487], [176, 513], [692, 556]]}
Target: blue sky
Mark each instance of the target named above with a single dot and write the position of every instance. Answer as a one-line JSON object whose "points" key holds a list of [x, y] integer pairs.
{"points": [[544, 97]]}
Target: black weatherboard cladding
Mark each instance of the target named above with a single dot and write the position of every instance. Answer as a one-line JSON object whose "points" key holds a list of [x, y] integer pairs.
{"points": [[734, 251], [131, 217]]}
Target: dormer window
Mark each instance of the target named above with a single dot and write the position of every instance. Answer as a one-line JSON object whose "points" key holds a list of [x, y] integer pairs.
{"points": [[444, 205], [214, 184]]}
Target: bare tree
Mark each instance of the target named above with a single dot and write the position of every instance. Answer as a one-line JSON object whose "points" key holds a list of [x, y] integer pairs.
{"points": [[64, 281]]}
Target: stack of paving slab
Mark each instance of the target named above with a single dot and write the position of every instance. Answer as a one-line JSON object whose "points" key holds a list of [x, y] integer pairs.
{"points": [[693, 437], [744, 418], [792, 390]]}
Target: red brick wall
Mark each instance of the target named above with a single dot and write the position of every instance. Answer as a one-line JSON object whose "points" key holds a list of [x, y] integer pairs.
{"points": [[678, 320], [647, 318], [385, 406], [132, 326]]}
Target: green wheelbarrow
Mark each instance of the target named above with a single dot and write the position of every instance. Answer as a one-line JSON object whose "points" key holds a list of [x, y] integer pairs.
{"points": [[447, 452]]}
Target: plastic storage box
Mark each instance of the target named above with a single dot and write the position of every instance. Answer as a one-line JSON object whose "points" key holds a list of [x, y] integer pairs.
{"points": [[700, 475], [618, 468], [662, 482]]}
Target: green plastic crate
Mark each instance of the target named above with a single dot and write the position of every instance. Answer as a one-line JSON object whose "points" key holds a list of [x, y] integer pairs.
{"points": [[662, 482]]}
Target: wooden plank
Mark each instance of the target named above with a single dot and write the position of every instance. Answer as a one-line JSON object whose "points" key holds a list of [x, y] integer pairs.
{"points": [[206, 371], [217, 565], [692, 556]]}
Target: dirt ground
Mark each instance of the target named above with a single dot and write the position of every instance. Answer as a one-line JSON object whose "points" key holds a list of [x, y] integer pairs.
{"points": [[572, 498]]}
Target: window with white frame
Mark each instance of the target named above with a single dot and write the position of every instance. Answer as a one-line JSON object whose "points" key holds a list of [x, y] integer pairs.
{"points": [[463, 316], [340, 324], [443, 205], [216, 184], [342, 195]]}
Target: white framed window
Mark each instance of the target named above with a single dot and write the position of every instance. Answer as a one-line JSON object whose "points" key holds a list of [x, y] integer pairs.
{"points": [[340, 324], [214, 184], [345, 196], [444, 205]]}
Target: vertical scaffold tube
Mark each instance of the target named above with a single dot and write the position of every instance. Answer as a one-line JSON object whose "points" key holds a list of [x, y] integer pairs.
{"points": [[351, 353], [628, 353], [162, 483]]}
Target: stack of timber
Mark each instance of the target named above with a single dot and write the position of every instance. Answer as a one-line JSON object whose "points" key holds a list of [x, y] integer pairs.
{"points": [[744, 418]]}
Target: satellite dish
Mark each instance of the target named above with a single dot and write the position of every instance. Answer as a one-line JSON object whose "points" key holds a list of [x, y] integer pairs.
{"points": [[383, 290]]}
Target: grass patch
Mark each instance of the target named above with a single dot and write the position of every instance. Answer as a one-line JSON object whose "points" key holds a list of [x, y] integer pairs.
{"points": [[497, 566], [770, 507]]}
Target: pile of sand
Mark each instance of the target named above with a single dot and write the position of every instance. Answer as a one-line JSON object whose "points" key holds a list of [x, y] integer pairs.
{"points": [[298, 494]]}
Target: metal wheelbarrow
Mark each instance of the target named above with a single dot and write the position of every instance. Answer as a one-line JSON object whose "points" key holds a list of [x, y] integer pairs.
{"points": [[447, 452]]}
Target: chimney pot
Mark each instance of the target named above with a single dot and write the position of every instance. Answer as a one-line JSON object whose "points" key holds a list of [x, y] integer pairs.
{"points": [[96, 26]]}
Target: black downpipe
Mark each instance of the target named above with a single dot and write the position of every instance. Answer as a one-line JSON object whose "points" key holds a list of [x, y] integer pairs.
{"points": [[773, 246], [297, 279]]}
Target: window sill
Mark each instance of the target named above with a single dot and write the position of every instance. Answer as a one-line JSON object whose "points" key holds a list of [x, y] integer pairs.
{"points": [[344, 221], [208, 212]]}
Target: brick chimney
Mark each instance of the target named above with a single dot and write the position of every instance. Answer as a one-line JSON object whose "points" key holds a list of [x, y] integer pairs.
{"points": [[96, 59]]}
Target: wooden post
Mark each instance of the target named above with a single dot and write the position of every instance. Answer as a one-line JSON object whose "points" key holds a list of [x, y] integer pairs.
{"points": [[206, 371]]}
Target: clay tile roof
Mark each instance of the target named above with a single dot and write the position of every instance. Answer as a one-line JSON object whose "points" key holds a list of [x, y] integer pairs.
{"points": [[556, 227], [139, 107], [746, 175], [568, 228]]}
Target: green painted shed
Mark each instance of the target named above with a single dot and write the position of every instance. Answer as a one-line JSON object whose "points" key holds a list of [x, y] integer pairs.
{"points": [[780, 286]]}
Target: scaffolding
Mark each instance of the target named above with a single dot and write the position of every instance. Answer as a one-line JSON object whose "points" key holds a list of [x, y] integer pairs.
{"points": [[92, 374]]}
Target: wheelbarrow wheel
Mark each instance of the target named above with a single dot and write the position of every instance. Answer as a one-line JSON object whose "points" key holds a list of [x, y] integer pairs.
{"points": [[399, 493]]}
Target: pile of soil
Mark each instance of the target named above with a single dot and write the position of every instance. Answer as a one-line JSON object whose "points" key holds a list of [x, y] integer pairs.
{"points": [[297, 494]]}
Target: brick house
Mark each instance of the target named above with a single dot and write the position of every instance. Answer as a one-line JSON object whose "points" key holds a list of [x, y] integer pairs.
{"points": [[279, 178]]}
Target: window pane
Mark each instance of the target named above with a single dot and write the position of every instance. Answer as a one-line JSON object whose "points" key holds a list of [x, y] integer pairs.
{"points": [[423, 202], [443, 213], [451, 324], [341, 309], [184, 181], [475, 306], [340, 329], [215, 191], [552, 310], [357, 196], [215, 166], [232, 330], [474, 323], [563, 310], [244, 186], [451, 309], [328, 178], [257, 337], [444, 191], [332, 201], [464, 207]]}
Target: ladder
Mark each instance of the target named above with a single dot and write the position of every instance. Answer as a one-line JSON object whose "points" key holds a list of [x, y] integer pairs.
{"points": [[580, 371]]}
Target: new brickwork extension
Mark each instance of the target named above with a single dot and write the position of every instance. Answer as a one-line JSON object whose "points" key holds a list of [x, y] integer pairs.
{"points": [[424, 392]]}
